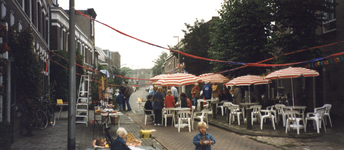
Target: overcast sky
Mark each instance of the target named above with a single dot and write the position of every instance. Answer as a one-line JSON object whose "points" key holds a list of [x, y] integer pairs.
{"points": [[154, 21]]}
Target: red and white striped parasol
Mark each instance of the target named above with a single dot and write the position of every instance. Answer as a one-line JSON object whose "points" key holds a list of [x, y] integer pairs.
{"points": [[213, 78], [247, 81], [157, 77], [293, 72], [179, 79]]}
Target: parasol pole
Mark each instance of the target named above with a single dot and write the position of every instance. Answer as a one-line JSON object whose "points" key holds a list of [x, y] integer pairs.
{"points": [[292, 91], [249, 94], [314, 92]]}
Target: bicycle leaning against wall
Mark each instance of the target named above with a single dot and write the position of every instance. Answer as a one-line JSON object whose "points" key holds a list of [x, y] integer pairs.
{"points": [[48, 109]]}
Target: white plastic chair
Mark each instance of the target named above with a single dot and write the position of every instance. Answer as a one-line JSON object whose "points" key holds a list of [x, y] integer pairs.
{"points": [[221, 107], [280, 112], [273, 112], [184, 115], [235, 112], [167, 113], [327, 113], [226, 104], [317, 116], [267, 115], [202, 115], [152, 114], [255, 114], [291, 117]]}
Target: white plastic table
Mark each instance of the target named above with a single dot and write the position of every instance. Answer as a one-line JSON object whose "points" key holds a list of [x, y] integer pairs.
{"points": [[206, 101], [174, 111]]}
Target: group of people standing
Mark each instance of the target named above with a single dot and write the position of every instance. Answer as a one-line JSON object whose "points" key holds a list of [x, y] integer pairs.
{"points": [[123, 97], [160, 97]]}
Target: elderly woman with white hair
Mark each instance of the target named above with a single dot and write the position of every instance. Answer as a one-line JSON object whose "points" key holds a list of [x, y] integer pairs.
{"points": [[119, 143]]}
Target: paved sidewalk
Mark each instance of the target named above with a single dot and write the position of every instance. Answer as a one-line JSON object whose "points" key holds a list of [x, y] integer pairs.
{"points": [[55, 138]]}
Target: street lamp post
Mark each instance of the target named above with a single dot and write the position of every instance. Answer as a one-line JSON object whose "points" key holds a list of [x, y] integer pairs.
{"points": [[180, 69]]}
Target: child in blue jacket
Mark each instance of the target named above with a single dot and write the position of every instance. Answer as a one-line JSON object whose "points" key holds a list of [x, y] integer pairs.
{"points": [[203, 140]]}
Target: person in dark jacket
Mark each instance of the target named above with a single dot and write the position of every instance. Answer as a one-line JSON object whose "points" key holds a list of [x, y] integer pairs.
{"points": [[185, 102], [149, 106], [158, 99], [120, 100], [226, 96], [119, 143]]}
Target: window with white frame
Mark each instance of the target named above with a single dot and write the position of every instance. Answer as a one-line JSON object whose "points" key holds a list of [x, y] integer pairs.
{"points": [[329, 23]]}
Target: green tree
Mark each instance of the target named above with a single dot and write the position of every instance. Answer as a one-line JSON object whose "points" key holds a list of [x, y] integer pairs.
{"points": [[242, 35], [158, 64], [196, 41], [124, 71], [295, 29], [27, 68]]}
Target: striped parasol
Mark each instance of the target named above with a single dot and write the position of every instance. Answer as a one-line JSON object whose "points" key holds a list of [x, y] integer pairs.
{"points": [[247, 81], [157, 77], [213, 78], [179, 79], [293, 72]]}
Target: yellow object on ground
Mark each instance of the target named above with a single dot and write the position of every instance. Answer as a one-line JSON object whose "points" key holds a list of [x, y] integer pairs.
{"points": [[145, 134]]}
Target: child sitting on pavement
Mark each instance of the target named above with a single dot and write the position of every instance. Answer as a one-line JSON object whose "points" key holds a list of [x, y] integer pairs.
{"points": [[203, 140], [120, 100]]}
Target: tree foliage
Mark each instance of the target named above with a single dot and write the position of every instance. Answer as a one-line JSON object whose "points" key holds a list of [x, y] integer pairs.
{"points": [[252, 30], [158, 64], [295, 28], [242, 34], [59, 76], [196, 41], [27, 68]]}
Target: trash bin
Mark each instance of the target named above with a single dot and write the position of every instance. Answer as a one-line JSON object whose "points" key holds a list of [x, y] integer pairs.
{"points": [[114, 120]]}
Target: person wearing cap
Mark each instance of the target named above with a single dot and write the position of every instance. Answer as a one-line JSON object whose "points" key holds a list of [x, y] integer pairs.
{"points": [[195, 94]]}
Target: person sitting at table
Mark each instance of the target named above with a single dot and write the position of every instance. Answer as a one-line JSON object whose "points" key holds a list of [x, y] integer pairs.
{"points": [[119, 143], [225, 96], [158, 104], [149, 106], [185, 102], [169, 100]]}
